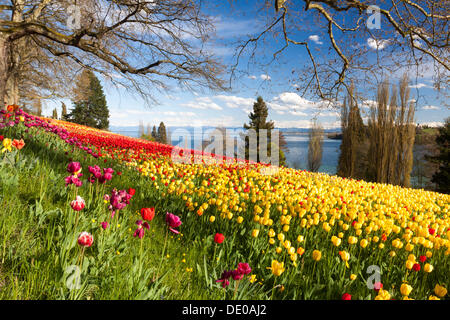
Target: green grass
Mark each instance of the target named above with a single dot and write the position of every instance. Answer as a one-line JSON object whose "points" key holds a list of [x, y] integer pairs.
{"points": [[38, 243]]}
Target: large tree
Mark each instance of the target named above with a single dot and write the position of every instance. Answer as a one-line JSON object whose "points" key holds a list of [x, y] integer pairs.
{"points": [[347, 41], [162, 133], [315, 146], [258, 121], [352, 138], [97, 103], [134, 43], [90, 107], [391, 135]]}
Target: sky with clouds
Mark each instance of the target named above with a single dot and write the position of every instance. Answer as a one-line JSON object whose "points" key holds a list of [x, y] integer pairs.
{"points": [[230, 109]]}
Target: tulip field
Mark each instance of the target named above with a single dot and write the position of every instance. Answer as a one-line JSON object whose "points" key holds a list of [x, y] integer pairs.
{"points": [[89, 214]]}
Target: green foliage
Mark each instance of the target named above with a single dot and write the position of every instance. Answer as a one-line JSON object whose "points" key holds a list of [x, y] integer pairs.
{"points": [[442, 177], [258, 121], [162, 133], [91, 110]]}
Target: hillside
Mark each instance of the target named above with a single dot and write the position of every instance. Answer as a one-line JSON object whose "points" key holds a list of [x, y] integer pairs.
{"points": [[219, 230]]}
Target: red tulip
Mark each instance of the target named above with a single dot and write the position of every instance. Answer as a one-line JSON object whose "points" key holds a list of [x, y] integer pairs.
{"points": [[416, 267], [131, 191], [346, 296], [377, 286], [423, 259], [219, 238], [77, 204], [85, 239], [147, 213]]}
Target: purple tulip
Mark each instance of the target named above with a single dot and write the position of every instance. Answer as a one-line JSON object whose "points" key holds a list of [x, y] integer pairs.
{"points": [[173, 221]]}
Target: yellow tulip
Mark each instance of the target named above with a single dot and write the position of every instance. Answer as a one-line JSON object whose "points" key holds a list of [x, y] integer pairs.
{"points": [[316, 255], [428, 268], [409, 264], [352, 240], [405, 289], [440, 291], [277, 268], [363, 243], [345, 256]]}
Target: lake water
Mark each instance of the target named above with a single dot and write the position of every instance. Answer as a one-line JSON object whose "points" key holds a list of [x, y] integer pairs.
{"points": [[296, 157]]}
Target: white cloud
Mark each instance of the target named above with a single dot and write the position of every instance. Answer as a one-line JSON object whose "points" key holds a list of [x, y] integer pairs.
{"points": [[432, 124], [420, 85], [430, 108], [329, 114], [204, 103], [377, 44], [265, 77], [315, 38], [298, 113], [366, 104], [252, 77], [305, 124], [234, 102], [292, 101]]}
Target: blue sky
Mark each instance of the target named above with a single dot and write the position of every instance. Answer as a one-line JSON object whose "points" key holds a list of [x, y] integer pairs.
{"points": [[276, 83]]}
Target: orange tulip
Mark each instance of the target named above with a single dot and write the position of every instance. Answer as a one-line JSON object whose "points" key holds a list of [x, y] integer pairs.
{"points": [[18, 144]]}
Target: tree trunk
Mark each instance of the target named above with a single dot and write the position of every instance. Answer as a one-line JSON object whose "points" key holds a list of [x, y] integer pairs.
{"points": [[4, 69]]}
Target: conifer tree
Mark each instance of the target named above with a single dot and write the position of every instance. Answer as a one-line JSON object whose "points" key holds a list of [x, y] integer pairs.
{"points": [[89, 105], [154, 134], [162, 133], [258, 121]]}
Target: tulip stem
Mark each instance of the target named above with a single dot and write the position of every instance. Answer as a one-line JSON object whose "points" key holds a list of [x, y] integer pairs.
{"points": [[235, 288], [140, 258], [214, 256], [162, 255]]}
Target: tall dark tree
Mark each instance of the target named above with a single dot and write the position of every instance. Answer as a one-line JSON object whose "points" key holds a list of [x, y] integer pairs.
{"points": [[315, 146], [442, 177], [37, 107], [80, 114], [97, 103], [154, 134], [352, 137], [162, 133], [63, 111], [258, 121], [89, 107], [55, 114]]}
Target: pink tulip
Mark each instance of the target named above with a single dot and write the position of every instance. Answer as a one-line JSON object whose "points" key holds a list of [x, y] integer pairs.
{"points": [[244, 268], [74, 167]]}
